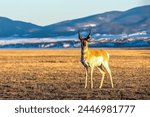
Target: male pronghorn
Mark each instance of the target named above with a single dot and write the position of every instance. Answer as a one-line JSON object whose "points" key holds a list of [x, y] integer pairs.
{"points": [[94, 58]]}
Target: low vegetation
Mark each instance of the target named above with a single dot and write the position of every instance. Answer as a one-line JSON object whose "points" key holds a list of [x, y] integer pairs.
{"points": [[58, 74]]}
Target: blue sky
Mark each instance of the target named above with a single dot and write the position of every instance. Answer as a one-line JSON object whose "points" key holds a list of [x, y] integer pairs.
{"points": [[44, 12]]}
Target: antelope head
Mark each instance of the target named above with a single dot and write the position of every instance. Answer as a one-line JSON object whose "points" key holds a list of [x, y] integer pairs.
{"points": [[84, 41]]}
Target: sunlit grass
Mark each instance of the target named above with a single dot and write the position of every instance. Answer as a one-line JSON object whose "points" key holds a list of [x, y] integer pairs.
{"points": [[58, 74]]}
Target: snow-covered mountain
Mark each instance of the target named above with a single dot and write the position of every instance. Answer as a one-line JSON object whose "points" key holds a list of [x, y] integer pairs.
{"points": [[12, 28], [113, 22], [129, 28], [141, 39]]}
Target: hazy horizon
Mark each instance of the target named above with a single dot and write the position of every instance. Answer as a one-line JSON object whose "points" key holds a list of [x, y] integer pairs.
{"points": [[49, 12]]}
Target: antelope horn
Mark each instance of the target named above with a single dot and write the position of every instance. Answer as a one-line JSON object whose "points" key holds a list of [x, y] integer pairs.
{"points": [[89, 35]]}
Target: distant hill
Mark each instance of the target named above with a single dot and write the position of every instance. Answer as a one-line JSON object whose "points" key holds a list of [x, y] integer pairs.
{"points": [[11, 28], [113, 22], [129, 28]]}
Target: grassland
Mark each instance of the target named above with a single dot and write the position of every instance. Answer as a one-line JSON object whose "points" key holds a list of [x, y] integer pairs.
{"points": [[58, 74]]}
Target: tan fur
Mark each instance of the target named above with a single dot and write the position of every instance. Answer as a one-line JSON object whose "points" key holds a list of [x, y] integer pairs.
{"points": [[94, 58]]}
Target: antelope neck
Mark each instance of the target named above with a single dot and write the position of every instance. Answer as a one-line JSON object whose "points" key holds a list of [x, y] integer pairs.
{"points": [[84, 50], [84, 54]]}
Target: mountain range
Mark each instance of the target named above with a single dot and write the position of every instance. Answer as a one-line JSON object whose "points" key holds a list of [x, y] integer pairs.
{"points": [[113, 22], [129, 28]]}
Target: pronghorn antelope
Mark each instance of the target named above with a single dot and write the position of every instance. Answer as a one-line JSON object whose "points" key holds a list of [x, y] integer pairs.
{"points": [[94, 58]]}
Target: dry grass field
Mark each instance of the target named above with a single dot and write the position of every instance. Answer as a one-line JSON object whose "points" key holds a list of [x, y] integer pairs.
{"points": [[58, 74]]}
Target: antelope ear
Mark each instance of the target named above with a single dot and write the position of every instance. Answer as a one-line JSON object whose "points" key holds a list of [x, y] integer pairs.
{"points": [[79, 35]]}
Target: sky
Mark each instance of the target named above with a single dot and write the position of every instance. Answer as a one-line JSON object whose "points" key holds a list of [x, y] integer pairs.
{"points": [[45, 12]]}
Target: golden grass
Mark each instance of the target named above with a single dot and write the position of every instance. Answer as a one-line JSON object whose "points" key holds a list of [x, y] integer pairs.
{"points": [[58, 74]]}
